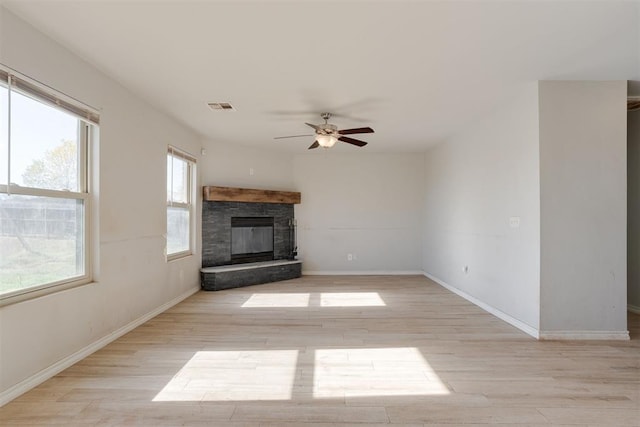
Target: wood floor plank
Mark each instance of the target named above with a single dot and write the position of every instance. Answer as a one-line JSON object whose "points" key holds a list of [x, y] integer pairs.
{"points": [[310, 352], [465, 415], [601, 416], [311, 413]]}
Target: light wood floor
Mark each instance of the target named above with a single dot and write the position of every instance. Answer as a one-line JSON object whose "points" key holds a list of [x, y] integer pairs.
{"points": [[322, 351]]}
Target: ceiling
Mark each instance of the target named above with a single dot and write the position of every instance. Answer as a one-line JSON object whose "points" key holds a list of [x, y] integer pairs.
{"points": [[415, 71]]}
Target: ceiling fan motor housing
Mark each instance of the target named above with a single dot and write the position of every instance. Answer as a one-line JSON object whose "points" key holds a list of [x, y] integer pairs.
{"points": [[329, 129]]}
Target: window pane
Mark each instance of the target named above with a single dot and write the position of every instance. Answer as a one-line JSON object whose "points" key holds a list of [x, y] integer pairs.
{"points": [[178, 232], [180, 188], [41, 241], [44, 145], [3, 134]]}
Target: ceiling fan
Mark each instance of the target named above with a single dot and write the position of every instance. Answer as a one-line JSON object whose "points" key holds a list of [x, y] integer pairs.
{"points": [[327, 134]]}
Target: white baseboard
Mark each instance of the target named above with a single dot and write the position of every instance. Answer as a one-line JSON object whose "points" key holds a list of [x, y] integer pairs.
{"points": [[362, 273], [37, 379], [486, 307], [584, 335], [633, 308]]}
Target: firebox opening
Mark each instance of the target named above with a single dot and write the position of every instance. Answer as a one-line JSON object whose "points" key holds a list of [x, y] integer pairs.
{"points": [[251, 239]]}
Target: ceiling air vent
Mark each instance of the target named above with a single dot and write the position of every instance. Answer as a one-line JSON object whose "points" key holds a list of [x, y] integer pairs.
{"points": [[216, 106]]}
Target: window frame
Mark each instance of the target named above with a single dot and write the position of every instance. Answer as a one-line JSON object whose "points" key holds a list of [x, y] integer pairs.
{"points": [[88, 122], [173, 152]]}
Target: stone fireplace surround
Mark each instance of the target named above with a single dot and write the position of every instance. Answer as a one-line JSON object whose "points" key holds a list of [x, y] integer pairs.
{"points": [[217, 272]]}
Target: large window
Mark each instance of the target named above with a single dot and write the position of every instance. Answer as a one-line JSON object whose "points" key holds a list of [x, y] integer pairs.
{"points": [[44, 189], [180, 215]]}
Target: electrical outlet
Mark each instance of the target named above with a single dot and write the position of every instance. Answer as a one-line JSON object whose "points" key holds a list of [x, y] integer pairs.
{"points": [[514, 222], [251, 171], [349, 257]]}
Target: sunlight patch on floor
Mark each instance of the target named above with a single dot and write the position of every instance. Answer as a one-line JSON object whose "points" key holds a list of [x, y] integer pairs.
{"points": [[327, 299], [277, 300], [351, 299], [233, 375], [400, 371]]}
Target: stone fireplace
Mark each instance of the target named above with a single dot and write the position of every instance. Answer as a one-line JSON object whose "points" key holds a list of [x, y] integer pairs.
{"points": [[247, 237], [218, 229]]}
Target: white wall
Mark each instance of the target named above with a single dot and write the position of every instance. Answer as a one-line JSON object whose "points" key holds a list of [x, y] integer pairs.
{"points": [[633, 210], [474, 183], [227, 165], [583, 187], [132, 277], [369, 205]]}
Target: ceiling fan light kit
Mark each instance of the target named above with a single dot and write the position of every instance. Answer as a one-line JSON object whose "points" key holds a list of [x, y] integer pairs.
{"points": [[327, 134], [326, 141]]}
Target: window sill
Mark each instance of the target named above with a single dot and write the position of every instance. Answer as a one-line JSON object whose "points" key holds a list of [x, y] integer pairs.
{"points": [[40, 291], [179, 255]]}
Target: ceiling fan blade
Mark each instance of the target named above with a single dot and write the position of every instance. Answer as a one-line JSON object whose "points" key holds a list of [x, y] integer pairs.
{"points": [[355, 130], [314, 145], [313, 126], [352, 141], [291, 136]]}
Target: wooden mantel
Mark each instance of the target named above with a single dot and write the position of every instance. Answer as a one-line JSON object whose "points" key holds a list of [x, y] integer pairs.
{"points": [[231, 194]]}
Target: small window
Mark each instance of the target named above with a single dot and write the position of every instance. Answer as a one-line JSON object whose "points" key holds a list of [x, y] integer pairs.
{"points": [[180, 213], [44, 191]]}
